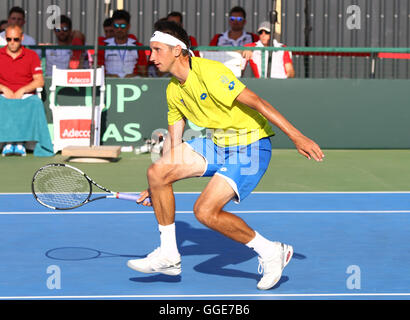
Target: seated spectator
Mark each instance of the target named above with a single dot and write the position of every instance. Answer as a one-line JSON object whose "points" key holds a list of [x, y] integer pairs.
{"points": [[17, 16], [122, 63], [65, 58], [281, 61], [236, 36], [3, 25], [20, 74], [108, 27]]}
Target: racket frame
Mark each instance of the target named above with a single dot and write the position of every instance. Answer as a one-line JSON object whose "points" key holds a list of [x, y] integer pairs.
{"points": [[90, 182]]}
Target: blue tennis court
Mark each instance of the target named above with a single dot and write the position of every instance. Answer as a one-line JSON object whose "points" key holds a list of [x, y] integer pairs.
{"points": [[347, 246]]}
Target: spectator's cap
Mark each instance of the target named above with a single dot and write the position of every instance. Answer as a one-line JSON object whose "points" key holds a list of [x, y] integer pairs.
{"points": [[265, 25]]}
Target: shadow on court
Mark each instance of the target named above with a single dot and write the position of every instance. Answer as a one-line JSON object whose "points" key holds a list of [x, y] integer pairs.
{"points": [[197, 242], [191, 242]]}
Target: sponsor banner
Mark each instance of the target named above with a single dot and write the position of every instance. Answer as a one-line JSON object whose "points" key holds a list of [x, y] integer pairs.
{"points": [[75, 129], [79, 77], [356, 118]]}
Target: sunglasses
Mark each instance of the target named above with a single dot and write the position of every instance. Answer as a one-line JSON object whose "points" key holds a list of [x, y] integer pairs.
{"points": [[14, 39], [263, 31], [122, 25], [65, 29], [239, 19]]}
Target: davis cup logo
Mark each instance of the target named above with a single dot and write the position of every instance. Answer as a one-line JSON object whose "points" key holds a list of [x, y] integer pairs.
{"points": [[78, 77], [75, 129]]}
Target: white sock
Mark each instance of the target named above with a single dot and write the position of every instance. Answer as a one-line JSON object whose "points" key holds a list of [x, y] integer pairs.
{"points": [[262, 246], [168, 240]]}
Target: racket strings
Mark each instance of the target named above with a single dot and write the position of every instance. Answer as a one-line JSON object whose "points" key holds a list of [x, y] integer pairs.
{"points": [[61, 187]]}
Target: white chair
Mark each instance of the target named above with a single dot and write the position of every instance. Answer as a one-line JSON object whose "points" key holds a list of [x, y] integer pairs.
{"points": [[72, 124]]}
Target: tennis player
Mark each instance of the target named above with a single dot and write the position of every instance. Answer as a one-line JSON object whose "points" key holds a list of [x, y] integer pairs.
{"points": [[235, 153]]}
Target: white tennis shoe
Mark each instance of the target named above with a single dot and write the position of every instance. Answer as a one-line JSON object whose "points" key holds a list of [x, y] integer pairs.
{"points": [[272, 268], [157, 263]]}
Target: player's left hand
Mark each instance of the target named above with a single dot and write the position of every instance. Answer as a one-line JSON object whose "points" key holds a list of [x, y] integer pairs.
{"points": [[308, 148], [144, 199]]}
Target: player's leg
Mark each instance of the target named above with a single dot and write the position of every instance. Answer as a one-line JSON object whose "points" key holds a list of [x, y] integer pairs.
{"points": [[208, 209], [237, 180], [179, 163]]}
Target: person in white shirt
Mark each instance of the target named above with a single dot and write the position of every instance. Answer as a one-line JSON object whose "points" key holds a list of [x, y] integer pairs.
{"points": [[236, 36], [281, 63], [122, 63], [65, 58], [17, 16]]}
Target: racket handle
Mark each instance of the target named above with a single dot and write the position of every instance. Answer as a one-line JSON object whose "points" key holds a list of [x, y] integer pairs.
{"points": [[130, 197]]}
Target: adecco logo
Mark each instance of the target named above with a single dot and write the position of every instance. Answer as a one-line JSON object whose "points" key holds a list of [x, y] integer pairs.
{"points": [[75, 129], [78, 77]]}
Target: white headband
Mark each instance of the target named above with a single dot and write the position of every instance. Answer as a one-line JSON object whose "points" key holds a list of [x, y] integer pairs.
{"points": [[167, 39]]}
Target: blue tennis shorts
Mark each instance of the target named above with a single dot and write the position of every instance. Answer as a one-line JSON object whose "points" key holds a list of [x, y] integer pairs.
{"points": [[241, 166]]}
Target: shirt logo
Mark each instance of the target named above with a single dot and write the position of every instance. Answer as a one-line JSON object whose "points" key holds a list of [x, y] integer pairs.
{"points": [[231, 85], [224, 79], [203, 96]]}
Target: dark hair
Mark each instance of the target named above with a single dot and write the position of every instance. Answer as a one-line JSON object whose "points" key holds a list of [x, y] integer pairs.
{"points": [[238, 9], [108, 22], [175, 30], [175, 14], [17, 10], [66, 20], [121, 15]]}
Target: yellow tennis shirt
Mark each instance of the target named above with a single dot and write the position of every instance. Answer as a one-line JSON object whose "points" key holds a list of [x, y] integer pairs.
{"points": [[207, 98]]}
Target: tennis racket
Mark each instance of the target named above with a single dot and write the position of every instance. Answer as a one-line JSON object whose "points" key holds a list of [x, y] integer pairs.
{"points": [[60, 186]]}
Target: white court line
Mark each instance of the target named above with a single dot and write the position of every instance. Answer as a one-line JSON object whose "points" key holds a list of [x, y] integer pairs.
{"points": [[290, 295], [262, 192], [64, 212]]}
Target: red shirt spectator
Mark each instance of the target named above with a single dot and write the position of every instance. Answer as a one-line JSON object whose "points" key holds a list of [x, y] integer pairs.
{"points": [[17, 73]]}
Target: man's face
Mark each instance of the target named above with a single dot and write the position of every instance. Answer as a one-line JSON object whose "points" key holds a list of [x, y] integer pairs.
{"points": [[62, 33], [16, 19], [14, 38], [121, 28], [237, 21], [109, 31], [162, 56]]}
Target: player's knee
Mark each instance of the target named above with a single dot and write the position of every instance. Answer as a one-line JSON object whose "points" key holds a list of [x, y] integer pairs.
{"points": [[205, 214], [158, 175], [154, 175]]}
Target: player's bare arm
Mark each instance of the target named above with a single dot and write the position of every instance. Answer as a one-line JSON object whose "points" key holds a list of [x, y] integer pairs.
{"points": [[174, 136], [304, 145]]}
